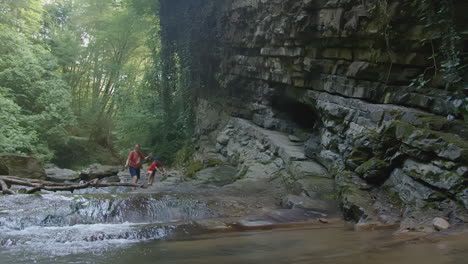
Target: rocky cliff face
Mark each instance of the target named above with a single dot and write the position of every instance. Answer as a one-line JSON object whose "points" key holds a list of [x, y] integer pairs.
{"points": [[335, 74]]}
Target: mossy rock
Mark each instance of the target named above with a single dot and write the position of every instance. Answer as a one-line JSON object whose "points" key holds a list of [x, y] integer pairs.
{"points": [[213, 163], [21, 166], [395, 199], [183, 156], [355, 203], [193, 168], [433, 122], [441, 124], [218, 176], [374, 170], [451, 180], [358, 156], [445, 145]]}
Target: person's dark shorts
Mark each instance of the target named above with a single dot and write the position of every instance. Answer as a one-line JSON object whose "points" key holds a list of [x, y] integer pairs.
{"points": [[134, 172]]}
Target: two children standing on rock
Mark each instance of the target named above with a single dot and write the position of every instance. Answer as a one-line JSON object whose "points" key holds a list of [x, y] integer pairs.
{"points": [[135, 161]]}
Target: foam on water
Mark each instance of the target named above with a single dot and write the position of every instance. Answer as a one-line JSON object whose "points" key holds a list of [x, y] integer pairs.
{"points": [[55, 225]]}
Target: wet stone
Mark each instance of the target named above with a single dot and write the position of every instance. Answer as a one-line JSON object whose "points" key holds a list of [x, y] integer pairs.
{"points": [[99, 171], [302, 202], [293, 138], [254, 224], [62, 175], [440, 224]]}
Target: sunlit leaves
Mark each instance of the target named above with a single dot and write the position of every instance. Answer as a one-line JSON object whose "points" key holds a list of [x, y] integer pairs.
{"points": [[22, 15], [36, 102]]}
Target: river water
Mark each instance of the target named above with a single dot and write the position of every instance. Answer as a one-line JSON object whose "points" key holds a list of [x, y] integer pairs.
{"points": [[301, 245], [170, 228]]}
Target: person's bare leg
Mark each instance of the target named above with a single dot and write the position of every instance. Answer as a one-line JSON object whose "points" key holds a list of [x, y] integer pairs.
{"points": [[135, 181], [150, 178]]}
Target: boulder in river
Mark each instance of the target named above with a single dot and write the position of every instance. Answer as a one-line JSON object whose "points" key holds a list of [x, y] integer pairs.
{"points": [[21, 166], [56, 174], [99, 171], [115, 178]]}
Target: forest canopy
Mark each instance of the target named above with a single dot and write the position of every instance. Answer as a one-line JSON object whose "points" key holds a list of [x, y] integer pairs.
{"points": [[80, 81]]}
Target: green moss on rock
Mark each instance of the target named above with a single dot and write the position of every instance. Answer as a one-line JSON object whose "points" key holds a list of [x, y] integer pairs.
{"points": [[213, 163], [374, 170], [445, 145], [193, 168], [359, 156]]}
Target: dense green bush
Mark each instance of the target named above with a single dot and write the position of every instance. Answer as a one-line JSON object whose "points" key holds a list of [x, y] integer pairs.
{"points": [[14, 138], [35, 100]]}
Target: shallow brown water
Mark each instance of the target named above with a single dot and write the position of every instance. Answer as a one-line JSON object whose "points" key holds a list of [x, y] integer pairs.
{"points": [[306, 245]]}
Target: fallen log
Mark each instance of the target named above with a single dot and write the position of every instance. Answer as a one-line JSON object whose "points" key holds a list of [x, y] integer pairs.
{"points": [[4, 188], [38, 185]]}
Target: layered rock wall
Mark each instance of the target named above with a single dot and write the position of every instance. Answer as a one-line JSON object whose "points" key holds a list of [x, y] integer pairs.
{"points": [[337, 75]]}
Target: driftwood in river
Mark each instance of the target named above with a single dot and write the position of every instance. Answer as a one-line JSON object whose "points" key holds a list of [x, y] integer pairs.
{"points": [[37, 185]]}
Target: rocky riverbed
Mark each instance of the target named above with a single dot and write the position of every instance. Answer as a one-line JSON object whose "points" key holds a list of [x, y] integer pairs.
{"points": [[175, 217], [63, 225]]}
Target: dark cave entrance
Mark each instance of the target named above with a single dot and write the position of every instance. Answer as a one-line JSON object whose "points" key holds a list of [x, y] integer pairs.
{"points": [[298, 113]]}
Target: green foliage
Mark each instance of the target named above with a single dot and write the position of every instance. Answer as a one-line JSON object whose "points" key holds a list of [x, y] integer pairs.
{"points": [[448, 58], [66, 47], [79, 152], [184, 156], [21, 15], [29, 80], [14, 138], [193, 168], [460, 106], [181, 58], [442, 32], [137, 120], [96, 70], [213, 163]]}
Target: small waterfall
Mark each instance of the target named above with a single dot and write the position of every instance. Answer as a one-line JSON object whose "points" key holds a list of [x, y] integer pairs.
{"points": [[70, 224], [56, 210]]}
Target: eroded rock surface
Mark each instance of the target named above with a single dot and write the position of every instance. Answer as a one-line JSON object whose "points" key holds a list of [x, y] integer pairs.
{"points": [[21, 166], [321, 72]]}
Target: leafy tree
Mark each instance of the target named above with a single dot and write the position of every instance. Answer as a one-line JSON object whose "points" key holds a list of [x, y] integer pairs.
{"points": [[14, 138], [29, 80], [22, 15], [98, 61], [100, 48]]}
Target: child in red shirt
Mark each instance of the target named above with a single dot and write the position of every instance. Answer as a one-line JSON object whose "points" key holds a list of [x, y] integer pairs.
{"points": [[156, 165]]}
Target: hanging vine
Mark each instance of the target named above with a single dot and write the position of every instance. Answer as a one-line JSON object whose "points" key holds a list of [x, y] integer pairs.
{"points": [[186, 40], [448, 58]]}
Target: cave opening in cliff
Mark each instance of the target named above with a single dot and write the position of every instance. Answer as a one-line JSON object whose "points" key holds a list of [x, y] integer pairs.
{"points": [[290, 109]]}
